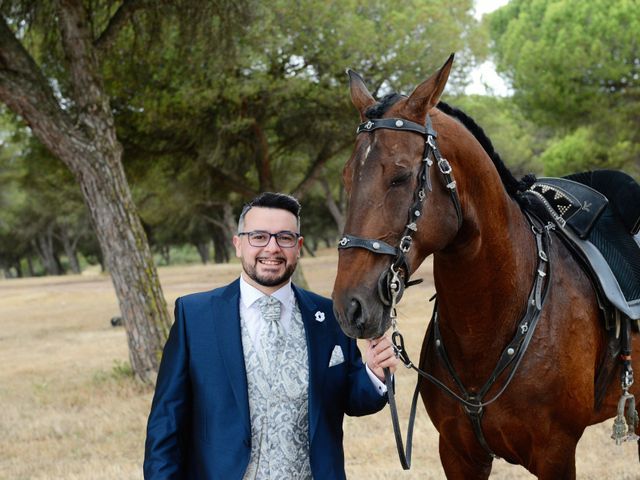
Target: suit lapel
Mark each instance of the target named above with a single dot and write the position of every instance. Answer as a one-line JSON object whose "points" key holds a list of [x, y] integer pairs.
{"points": [[227, 329], [317, 334]]}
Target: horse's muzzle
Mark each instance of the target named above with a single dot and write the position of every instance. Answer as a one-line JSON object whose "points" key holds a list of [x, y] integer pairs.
{"points": [[360, 318]]}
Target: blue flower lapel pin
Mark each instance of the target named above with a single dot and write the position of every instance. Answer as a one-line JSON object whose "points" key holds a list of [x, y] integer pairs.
{"points": [[319, 316]]}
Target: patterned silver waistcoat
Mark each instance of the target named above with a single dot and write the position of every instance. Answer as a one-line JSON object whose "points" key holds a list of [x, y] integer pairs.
{"points": [[279, 407]]}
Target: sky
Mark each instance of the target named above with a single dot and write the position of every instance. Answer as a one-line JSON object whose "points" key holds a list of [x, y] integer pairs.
{"points": [[484, 79], [486, 6]]}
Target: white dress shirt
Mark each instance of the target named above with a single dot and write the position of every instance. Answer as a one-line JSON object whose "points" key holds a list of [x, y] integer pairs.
{"points": [[250, 312]]}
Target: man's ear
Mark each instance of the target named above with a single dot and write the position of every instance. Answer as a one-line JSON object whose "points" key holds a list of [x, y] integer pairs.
{"points": [[300, 242], [236, 243]]}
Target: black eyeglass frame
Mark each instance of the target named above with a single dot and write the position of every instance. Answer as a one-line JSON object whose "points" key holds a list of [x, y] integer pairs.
{"points": [[276, 235]]}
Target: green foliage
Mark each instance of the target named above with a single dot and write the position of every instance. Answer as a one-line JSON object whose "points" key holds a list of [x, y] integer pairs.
{"points": [[568, 58], [517, 140], [580, 151], [183, 254], [574, 67], [121, 369], [37, 194], [120, 372], [217, 101], [204, 126]]}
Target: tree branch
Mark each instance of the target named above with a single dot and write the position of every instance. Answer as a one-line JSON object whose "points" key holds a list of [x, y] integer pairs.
{"points": [[89, 96], [325, 154], [117, 23], [233, 182], [26, 91], [213, 221]]}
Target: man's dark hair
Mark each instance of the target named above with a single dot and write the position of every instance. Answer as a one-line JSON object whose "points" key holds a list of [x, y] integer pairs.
{"points": [[272, 200]]}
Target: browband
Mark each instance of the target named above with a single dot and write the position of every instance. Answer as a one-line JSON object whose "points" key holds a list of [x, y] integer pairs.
{"points": [[397, 124]]}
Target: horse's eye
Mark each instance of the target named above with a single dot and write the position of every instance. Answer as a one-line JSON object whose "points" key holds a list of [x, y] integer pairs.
{"points": [[400, 179]]}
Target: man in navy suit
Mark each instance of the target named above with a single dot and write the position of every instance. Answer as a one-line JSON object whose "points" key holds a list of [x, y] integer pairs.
{"points": [[256, 376]]}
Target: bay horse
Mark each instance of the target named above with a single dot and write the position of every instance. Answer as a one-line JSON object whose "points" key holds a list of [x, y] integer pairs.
{"points": [[488, 270]]}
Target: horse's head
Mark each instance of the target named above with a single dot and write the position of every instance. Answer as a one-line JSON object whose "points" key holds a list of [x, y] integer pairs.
{"points": [[402, 206]]}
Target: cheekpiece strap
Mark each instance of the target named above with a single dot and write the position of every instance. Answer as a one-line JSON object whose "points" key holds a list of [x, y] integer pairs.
{"points": [[397, 124], [375, 246]]}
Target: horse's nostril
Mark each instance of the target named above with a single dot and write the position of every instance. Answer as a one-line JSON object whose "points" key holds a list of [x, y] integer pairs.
{"points": [[355, 314]]}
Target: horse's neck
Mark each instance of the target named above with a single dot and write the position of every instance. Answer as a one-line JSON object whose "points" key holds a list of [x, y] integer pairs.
{"points": [[483, 279]]}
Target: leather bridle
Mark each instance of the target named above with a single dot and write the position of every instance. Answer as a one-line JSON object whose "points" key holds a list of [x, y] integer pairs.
{"points": [[390, 286], [390, 289]]}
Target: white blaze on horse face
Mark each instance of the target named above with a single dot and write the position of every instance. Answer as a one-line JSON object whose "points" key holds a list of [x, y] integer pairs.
{"points": [[368, 151], [366, 154], [363, 160]]}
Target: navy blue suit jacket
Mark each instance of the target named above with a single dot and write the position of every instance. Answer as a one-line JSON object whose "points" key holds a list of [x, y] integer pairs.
{"points": [[199, 425]]}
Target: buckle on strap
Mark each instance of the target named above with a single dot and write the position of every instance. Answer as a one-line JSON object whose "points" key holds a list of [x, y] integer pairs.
{"points": [[444, 166]]}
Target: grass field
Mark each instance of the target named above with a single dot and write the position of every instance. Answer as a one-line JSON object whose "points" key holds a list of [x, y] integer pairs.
{"points": [[70, 410]]}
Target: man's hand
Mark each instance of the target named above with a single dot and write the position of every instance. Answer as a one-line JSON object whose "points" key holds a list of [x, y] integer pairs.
{"points": [[380, 354]]}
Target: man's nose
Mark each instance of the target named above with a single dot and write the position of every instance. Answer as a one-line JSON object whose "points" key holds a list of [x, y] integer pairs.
{"points": [[272, 245]]}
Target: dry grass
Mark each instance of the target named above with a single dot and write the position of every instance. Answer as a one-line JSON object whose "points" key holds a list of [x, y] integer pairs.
{"points": [[68, 410]]}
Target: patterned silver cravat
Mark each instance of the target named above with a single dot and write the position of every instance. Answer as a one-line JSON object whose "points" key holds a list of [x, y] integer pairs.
{"points": [[271, 341]]}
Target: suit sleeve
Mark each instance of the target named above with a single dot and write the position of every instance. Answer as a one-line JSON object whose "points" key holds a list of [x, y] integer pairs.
{"points": [[364, 397], [170, 410]]}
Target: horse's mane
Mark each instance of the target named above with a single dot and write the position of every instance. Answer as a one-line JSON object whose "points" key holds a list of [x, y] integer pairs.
{"points": [[513, 186]]}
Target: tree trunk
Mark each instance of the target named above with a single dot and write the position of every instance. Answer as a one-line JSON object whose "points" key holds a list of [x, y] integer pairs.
{"points": [[165, 253], [203, 251], [127, 256], [333, 207], [69, 247], [230, 223], [32, 272], [299, 279], [83, 136], [43, 244], [18, 268], [220, 247]]}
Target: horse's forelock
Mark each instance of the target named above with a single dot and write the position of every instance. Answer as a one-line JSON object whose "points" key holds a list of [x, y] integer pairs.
{"points": [[385, 103]]}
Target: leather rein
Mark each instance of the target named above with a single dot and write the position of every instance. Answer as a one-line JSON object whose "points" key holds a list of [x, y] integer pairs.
{"points": [[393, 281]]}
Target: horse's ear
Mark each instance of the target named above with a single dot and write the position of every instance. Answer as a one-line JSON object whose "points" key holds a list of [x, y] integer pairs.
{"points": [[427, 94], [360, 96]]}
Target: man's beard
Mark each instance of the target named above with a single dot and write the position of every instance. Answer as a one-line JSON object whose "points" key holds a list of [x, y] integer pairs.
{"points": [[269, 281]]}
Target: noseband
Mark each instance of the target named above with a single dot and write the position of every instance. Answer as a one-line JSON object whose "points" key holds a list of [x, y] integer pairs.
{"points": [[389, 286]]}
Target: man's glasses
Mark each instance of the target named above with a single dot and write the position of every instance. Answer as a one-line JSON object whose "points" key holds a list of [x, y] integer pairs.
{"points": [[260, 238]]}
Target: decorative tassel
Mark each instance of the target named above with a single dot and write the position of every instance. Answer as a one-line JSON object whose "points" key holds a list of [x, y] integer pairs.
{"points": [[625, 425], [619, 429]]}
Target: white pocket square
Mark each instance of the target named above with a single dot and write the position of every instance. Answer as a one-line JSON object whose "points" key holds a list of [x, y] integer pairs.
{"points": [[337, 357]]}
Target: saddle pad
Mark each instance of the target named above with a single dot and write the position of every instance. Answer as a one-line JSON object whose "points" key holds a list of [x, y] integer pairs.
{"points": [[600, 241], [621, 251]]}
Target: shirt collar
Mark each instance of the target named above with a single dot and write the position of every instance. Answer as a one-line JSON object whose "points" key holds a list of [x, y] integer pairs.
{"points": [[250, 294]]}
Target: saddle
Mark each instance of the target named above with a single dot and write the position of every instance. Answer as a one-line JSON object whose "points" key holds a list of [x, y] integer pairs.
{"points": [[597, 215]]}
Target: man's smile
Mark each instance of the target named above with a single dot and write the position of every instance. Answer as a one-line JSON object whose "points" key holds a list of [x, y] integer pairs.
{"points": [[271, 262]]}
